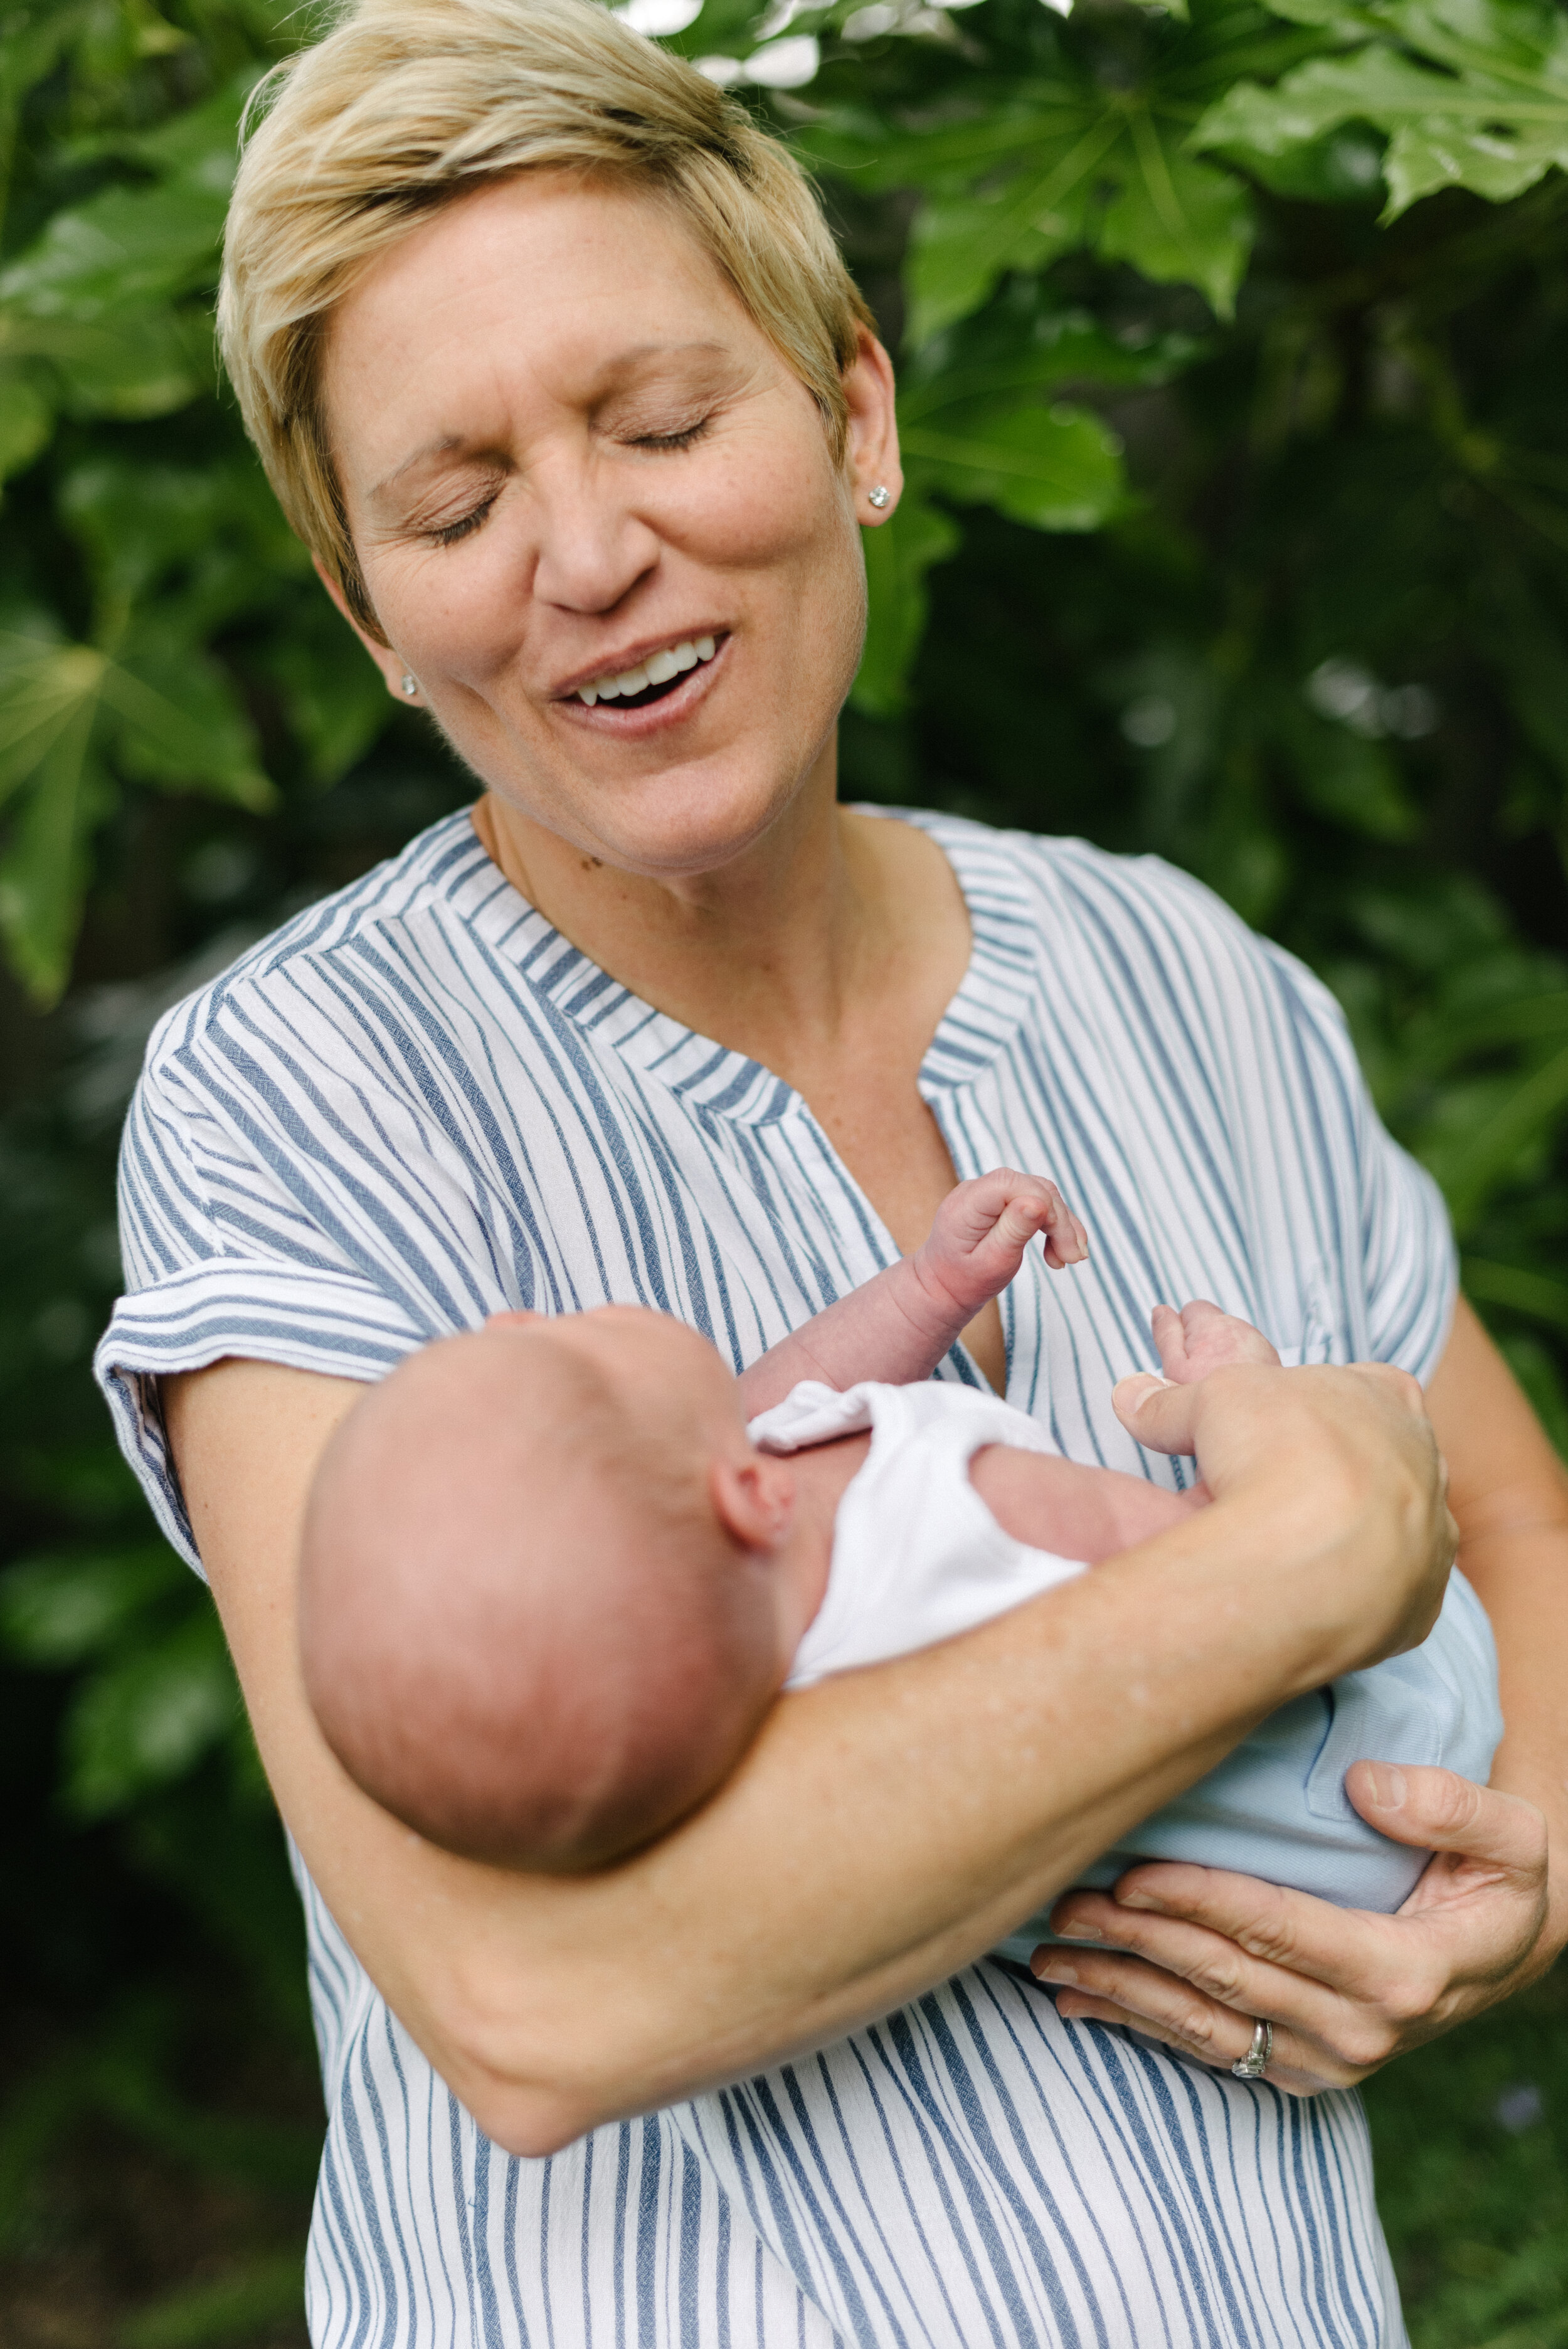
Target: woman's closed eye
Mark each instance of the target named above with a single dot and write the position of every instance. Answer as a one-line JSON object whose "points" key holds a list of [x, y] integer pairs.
{"points": [[682, 435], [449, 533]]}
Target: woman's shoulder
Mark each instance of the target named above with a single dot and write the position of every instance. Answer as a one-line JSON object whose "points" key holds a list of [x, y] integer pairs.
{"points": [[1132, 920], [290, 974]]}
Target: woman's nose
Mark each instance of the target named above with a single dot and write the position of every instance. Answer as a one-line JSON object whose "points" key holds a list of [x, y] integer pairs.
{"points": [[592, 548]]}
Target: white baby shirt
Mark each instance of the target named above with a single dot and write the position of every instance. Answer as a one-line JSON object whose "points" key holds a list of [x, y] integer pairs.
{"points": [[918, 1557]]}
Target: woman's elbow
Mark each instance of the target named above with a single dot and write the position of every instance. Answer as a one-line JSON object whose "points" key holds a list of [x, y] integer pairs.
{"points": [[532, 2091], [530, 2123]]}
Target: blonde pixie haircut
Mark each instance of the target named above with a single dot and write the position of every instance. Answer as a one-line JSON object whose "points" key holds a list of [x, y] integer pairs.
{"points": [[408, 104]]}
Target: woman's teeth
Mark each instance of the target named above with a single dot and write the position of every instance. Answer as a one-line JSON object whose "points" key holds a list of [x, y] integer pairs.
{"points": [[657, 670]]}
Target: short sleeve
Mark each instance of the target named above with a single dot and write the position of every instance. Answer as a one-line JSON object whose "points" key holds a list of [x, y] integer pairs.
{"points": [[218, 1266], [1403, 1246]]}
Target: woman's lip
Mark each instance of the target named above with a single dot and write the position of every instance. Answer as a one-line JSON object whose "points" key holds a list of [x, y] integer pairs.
{"points": [[632, 724]]}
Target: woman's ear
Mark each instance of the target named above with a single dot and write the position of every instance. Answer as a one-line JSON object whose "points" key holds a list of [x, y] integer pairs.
{"points": [[392, 665], [753, 1498], [870, 454]]}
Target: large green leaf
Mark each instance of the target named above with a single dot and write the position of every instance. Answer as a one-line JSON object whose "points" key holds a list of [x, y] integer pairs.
{"points": [[1056, 467], [125, 245], [1472, 93], [1179, 221], [26, 421], [44, 871], [163, 710], [134, 363], [135, 244], [961, 244]]}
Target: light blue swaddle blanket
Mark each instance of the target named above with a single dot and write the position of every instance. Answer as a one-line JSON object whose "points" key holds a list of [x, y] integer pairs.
{"points": [[1276, 1806]]}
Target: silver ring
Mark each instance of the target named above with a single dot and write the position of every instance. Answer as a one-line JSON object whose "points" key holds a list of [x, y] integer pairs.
{"points": [[1255, 2062]]}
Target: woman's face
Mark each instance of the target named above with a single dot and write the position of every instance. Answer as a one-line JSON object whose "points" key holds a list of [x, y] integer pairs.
{"points": [[567, 452]]}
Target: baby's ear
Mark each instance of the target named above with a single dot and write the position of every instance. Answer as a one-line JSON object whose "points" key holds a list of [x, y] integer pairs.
{"points": [[753, 1498]]}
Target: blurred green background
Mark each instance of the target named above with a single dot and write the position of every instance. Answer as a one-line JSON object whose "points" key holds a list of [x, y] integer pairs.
{"points": [[1234, 348]]}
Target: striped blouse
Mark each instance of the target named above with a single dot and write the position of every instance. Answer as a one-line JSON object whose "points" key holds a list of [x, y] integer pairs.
{"points": [[417, 1104]]}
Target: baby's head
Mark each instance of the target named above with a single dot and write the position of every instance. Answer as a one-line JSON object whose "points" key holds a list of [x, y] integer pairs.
{"points": [[544, 1592]]}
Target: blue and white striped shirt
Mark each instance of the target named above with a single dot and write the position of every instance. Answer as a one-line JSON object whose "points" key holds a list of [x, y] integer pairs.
{"points": [[417, 1104]]}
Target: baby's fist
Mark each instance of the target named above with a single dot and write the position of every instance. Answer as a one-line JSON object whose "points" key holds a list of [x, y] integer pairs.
{"points": [[982, 1230]]}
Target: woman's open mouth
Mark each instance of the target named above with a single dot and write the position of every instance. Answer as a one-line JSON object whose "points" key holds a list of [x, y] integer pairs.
{"points": [[654, 678]]}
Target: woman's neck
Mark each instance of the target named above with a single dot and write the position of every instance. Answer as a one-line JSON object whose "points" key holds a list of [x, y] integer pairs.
{"points": [[774, 952]]}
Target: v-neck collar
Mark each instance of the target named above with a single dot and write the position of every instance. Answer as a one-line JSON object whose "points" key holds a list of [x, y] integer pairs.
{"points": [[984, 1014]]}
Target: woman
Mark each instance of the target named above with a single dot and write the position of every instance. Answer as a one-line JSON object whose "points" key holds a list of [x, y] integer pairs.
{"points": [[557, 372]]}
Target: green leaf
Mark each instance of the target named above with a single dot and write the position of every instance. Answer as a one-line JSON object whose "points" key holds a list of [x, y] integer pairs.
{"points": [[1377, 86], [960, 245], [26, 422], [129, 364], [125, 245], [1344, 167], [1179, 221], [1425, 155], [184, 727], [1027, 340], [56, 1610], [1057, 469], [43, 875], [898, 556], [337, 701], [147, 1717], [1488, 111], [171, 716]]}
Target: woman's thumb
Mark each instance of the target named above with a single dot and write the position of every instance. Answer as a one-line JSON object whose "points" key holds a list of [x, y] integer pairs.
{"points": [[1437, 1810], [1158, 1415]]}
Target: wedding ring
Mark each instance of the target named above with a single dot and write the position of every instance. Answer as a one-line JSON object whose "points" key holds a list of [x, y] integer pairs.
{"points": [[1255, 2062]]}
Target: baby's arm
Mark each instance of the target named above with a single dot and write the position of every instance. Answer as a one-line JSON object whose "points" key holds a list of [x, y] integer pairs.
{"points": [[1097, 1513], [897, 1326]]}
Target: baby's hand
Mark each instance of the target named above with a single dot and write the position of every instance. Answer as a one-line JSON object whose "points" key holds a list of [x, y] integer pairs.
{"points": [[1201, 1339], [981, 1232]]}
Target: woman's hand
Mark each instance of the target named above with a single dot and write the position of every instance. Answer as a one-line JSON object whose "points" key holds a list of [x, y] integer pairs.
{"points": [[1194, 1956]]}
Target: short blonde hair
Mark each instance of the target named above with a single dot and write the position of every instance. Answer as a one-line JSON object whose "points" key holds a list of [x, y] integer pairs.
{"points": [[408, 104]]}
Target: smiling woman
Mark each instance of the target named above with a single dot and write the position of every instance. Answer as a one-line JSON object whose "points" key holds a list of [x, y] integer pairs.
{"points": [[556, 370]]}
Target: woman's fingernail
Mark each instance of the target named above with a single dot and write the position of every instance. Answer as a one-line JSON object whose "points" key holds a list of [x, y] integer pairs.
{"points": [[1141, 1900], [1077, 1932], [1056, 1970], [1386, 1784]]}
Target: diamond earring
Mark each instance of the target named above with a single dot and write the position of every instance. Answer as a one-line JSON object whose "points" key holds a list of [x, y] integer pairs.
{"points": [[879, 497], [410, 683]]}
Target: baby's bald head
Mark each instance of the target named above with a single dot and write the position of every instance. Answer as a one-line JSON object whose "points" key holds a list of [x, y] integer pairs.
{"points": [[524, 1628]]}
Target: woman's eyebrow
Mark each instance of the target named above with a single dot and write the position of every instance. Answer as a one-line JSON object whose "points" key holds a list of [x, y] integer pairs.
{"points": [[447, 444], [611, 377]]}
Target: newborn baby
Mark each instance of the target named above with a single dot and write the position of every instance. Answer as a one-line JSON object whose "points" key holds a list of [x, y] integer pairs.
{"points": [[552, 1578]]}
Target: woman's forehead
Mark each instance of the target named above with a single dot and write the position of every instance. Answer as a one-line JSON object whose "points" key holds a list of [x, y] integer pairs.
{"points": [[558, 286]]}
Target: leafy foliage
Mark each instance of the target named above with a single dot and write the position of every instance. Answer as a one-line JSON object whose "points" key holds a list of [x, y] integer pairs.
{"points": [[1231, 339]]}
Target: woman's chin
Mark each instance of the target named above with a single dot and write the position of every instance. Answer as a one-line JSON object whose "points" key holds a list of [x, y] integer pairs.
{"points": [[673, 827]]}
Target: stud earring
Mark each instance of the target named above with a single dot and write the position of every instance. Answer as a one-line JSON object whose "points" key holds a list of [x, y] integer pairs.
{"points": [[879, 497], [410, 683]]}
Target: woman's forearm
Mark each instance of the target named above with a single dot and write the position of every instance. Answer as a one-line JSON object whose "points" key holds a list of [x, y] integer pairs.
{"points": [[887, 1826], [1510, 1494]]}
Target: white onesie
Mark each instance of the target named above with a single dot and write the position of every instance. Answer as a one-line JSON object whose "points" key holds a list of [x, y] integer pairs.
{"points": [[917, 1557]]}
